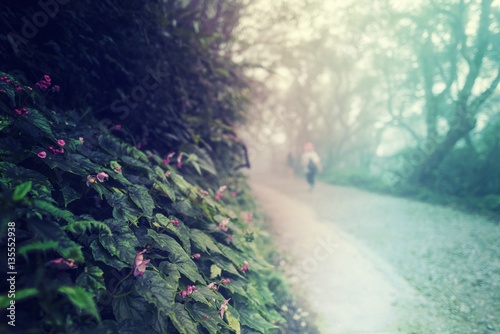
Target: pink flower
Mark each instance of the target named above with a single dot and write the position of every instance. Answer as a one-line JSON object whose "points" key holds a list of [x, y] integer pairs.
{"points": [[175, 222], [101, 176], [62, 264], [140, 263], [118, 127], [245, 267], [166, 161], [196, 256], [189, 289], [184, 293], [212, 286], [24, 111], [233, 193], [18, 88], [179, 160], [46, 77], [223, 308], [223, 224], [56, 88], [249, 217], [90, 180], [56, 150], [167, 174], [225, 281], [81, 139], [42, 154], [118, 169], [61, 142], [18, 111], [220, 191]]}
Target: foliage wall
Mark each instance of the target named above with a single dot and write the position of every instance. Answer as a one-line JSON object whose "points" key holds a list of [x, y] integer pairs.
{"points": [[129, 214]]}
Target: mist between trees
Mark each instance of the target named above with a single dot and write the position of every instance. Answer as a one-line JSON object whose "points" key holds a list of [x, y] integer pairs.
{"points": [[398, 96]]}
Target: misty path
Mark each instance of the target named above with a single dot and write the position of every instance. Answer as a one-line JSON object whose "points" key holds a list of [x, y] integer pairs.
{"points": [[368, 263]]}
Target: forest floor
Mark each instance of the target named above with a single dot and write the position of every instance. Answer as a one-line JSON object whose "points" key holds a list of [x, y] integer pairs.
{"points": [[369, 263]]}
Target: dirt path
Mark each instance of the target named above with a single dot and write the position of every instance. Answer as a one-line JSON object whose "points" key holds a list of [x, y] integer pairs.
{"points": [[351, 282]]}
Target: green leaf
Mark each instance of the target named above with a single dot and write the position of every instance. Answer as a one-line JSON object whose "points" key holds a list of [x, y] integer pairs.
{"points": [[140, 196], [80, 299], [69, 195], [182, 231], [233, 322], [136, 163], [83, 226], [157, 291], [92, 279], [48, 208], [182, 320], [122, 243], [123, 208], [21, 191], [20, 294], [215, 271], [37, 246], [203, 241], [40, 122], [178, 256], [253, 319], [130, 306], [101, 254], [51, 231], [206, 316]]}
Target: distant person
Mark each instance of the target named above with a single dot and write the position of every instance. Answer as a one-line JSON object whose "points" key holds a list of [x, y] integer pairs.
{"points": [[290, 162], [311, 164]]}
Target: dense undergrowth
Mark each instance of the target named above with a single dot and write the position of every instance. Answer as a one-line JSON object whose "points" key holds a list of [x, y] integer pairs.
{"points": [[119, 174], [111, 238]]}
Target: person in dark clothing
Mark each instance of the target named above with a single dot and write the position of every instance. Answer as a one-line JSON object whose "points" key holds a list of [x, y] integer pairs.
{"points": [[311, 164]]}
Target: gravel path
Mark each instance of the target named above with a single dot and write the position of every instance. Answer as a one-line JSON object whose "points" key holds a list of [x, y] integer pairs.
{"points": [[370, 263]]}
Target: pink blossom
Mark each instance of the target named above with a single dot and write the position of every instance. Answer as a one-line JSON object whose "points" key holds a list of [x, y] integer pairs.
{"points": [[56, 150], [184, 293], [233, 194], [101, 176], [61, 142], [189, 289], [46, 77], [167, 174], [118, 127], [175, 222], [223, 308], [223, 224], [81, 139], [24, 111], [90, 180], [179, 160], [245, 267], [118, 169], [140, 263], [18, 111], [203, 192], [18, 89], [62, 264], [249, 217], [56, 88], [212, 286], [196, 256], [42, 154], [169, 156], [225, 281]]}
